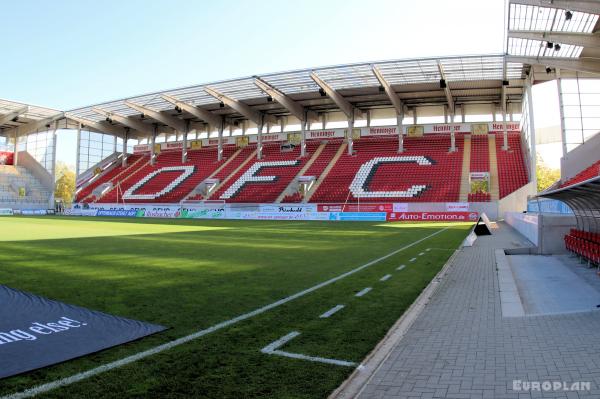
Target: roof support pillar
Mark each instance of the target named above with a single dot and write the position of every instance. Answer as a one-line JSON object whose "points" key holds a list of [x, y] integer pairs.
{"points": [[78, 154], [399, 119], [220, 142], [259, 144], [153, 149], [349, 138], [533, 165], [303, 124], [124, 149], [184, 144], [16, 152], [561, 110], [504, 131], [52, 199], [452, 134]]}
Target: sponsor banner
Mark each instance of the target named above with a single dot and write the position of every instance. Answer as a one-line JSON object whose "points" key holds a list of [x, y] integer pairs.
{"points": [[141, 148], [159, 212], [178, 145], [128, 213], [400, 207], [199, 213], [241, 141], [499, 127], [36, 332], [196, 144], [80, 212], [6, 212], [325, 134], [245, 215], [30, 212], [214, 141], [480, 129], [433, 216], [380, 131], [362, 216], [288, 208], [269, 137], [457, 206], [355, 207]]}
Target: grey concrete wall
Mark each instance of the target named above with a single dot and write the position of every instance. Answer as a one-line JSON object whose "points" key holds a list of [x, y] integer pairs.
{"points": [[552, 231], [517, 200], [580, 158], [37, 170]]}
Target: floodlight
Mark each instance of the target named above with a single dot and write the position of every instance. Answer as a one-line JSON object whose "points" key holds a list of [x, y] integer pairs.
{"points": [[568, 15]]}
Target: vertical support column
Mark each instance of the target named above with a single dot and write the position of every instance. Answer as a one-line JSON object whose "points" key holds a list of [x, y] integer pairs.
{"points": [[220, 141], [152, 152], [51, 204], [533, 166], [504, 131], [185, 141], [323, 120], [124, 149], [452, 134], [303, 135], [282, 123], [16, 152], [259, 145], [399, 119], [368, 118], [350, 141], [114, 143], [561, 110], [78, 153]]}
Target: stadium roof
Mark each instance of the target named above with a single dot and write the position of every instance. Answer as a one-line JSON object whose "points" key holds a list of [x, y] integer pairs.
{"points": [[555, 34], [350, 88], [24, 117]]}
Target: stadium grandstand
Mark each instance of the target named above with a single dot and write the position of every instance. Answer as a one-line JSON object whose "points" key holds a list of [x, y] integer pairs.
{"points": [[504, 287]]}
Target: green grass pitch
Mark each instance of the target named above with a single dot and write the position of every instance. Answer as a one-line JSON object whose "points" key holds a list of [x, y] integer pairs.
{"points": [[191, 274]]}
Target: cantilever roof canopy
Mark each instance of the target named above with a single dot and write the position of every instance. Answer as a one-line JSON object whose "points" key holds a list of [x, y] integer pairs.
{"points": [[24, 117], [348, 88], [584, 199], [555, 34]]}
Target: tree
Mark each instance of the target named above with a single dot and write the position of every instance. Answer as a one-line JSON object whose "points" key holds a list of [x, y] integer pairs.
{"points": [[65, 183], [546, 176]]}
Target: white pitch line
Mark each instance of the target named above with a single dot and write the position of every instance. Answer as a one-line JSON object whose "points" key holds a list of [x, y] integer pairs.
{"points": [[273, 349], [413, 259], [386, 277], [421, 253], [331, 311], [428, 249], [179, 341], [363, 292], [400, 267]]}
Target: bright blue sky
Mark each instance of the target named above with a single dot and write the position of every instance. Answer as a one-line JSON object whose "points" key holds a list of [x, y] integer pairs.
{"points": [[67, 54]]}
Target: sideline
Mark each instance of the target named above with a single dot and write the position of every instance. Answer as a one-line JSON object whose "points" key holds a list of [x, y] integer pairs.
{"points": [[166, 346]]}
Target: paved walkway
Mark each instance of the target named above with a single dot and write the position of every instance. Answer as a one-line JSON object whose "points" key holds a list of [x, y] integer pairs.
{"points": [[460, 346]]}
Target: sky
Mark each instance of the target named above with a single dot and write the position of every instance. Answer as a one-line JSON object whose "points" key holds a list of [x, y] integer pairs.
{"points": [[67, 54]]}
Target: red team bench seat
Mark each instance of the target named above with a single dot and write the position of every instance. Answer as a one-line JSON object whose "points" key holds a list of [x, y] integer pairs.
{"points": [[585, 244]]}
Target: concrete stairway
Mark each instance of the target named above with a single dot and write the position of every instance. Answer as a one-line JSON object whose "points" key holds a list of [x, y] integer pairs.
{"points": [[301, 173], [315, 186]]}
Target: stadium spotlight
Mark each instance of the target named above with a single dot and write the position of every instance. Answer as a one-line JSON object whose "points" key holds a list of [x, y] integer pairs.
{"points": [[548, 69], [442, 84], [322, 92], [142, 116], [549, 44], [236, 123], [568, 15], [557, 47], [221, 104], [505, 83], [177, 109], [16, 118], [381, 89], [269, 99]]}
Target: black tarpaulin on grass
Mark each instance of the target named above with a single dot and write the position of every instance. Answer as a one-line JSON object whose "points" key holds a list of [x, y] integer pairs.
{"points": [[36, 332]]}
